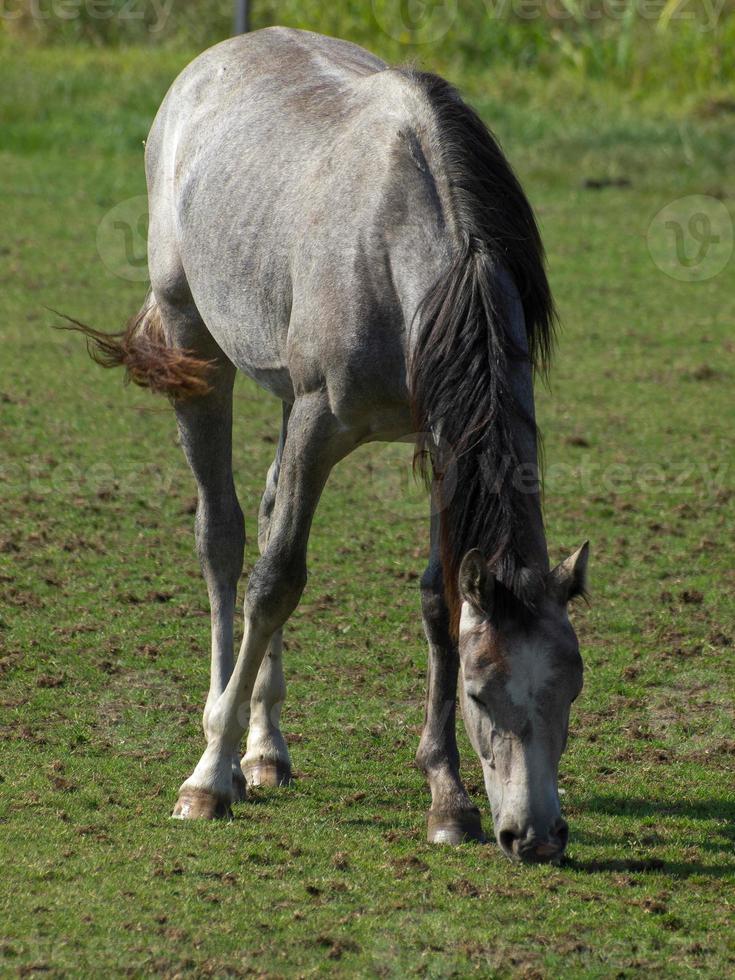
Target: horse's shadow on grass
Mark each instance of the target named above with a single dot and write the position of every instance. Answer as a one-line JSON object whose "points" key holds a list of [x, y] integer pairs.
{"points": [[721, 808], [677, 869], [712, 809]]}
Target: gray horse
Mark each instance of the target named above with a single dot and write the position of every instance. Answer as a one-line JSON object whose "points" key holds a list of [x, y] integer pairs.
{"points": [[350, 236]]}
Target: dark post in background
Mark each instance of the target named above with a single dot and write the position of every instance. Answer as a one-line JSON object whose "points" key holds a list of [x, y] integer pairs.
{"points": [[242, 16]]}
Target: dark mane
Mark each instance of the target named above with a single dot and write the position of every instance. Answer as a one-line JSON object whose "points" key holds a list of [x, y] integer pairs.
{"points": [[459, 375]]}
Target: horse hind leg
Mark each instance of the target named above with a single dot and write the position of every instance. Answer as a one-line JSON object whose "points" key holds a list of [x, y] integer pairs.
{"points": [[315, 443], [266, 761], [205, 428]]}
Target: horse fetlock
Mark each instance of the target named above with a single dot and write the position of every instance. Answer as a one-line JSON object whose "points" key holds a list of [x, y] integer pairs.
{"points": [[209, 792], [266, 761], [268, 772], [239, 783], [195, 803], [213, 772]]}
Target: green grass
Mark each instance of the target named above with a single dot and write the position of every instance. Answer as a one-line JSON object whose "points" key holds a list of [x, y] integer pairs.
{"points": [[678, 48], [103, 622]]}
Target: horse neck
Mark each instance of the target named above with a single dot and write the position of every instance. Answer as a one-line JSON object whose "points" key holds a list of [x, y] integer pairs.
{"points": [[531, 536]]}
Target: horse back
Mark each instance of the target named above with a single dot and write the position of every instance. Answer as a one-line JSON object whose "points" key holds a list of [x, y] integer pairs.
{"points": [[290, 179]]}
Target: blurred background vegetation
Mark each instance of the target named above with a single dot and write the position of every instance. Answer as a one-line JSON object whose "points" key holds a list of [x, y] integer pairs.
{"points": [[680, 52]]}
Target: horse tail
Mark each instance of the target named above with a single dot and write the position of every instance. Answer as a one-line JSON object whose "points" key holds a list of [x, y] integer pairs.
{"points": [[149, 360]]}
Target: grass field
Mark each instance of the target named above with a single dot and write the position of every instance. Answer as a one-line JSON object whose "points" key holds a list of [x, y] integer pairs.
{"points": [[103, 616]]}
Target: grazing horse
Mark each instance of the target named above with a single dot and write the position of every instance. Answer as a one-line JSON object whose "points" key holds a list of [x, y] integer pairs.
{"points": [[350, 236]]}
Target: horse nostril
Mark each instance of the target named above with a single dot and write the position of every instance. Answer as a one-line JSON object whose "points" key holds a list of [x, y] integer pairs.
{"points": [[509, 842], [533, 848], [561, 832]]}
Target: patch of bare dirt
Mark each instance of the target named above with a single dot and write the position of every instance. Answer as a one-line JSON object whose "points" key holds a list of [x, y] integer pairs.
{"points": [[692, 597], [341, 861], [336, 948], [464, 888], [409, 864], [21, 598], [50, 680]]}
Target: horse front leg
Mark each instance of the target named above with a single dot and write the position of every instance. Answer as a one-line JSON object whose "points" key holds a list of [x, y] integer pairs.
{"points": [[315, 442], [452, 818]]}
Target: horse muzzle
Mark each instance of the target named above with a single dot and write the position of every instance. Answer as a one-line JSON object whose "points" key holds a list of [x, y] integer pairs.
{"points": [[528, 847]]}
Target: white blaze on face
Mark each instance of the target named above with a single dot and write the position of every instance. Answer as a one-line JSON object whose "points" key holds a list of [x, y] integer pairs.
{"points": [[517, 735], [531, 671], [530, 790]]}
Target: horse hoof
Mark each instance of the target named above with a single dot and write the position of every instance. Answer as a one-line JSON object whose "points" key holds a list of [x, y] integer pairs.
{"points": [[454, 827], [199, 804], [265, 773], [239, 787]]}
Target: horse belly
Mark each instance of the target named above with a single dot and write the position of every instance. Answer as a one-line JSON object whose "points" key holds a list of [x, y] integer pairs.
{"points": [[240, 283]]}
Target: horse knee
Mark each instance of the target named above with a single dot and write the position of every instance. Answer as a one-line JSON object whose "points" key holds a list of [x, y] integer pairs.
{"points": [[433, 605], [274, 590]]}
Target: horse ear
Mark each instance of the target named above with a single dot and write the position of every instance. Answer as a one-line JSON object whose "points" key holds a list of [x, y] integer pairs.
{"points": [[476, 582], [569, 579]]}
